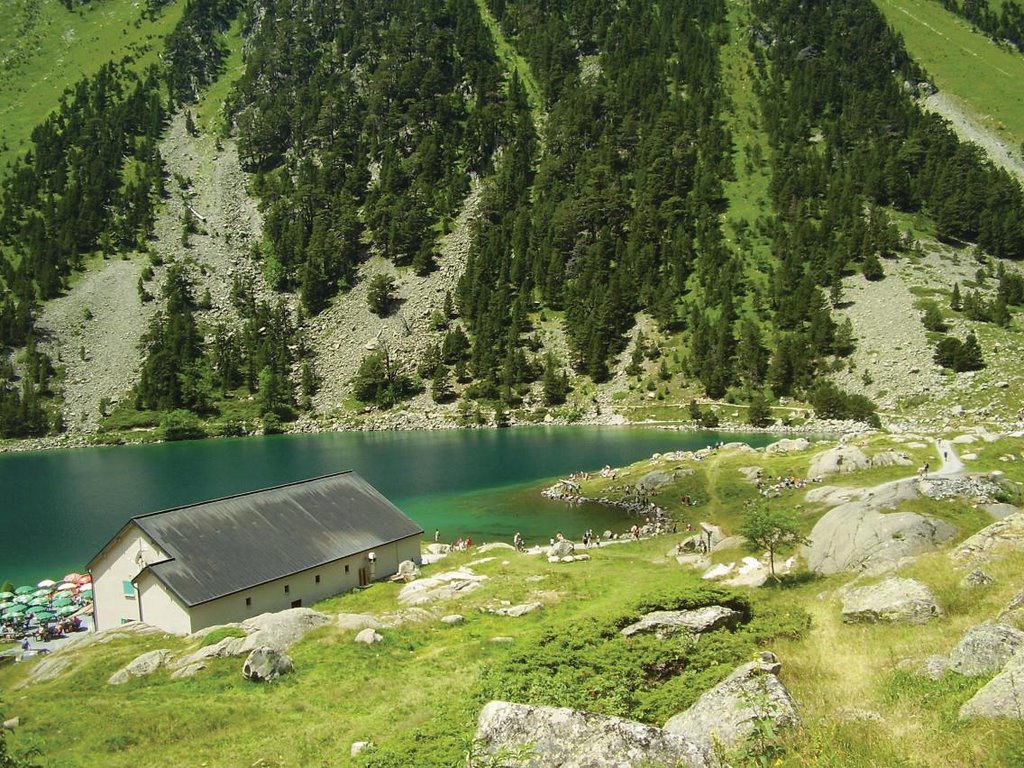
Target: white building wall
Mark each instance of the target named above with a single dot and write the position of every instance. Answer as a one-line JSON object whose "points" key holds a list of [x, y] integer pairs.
{"points": [[160, 608], [113, 604], [302, 588]]}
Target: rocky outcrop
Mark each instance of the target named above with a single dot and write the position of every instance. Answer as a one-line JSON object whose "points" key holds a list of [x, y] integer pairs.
{"points": [[857, 535], [265, 665], [568, 738], [140, 666], [838, 460], [977, 578], [985, 649], [894, 600], [789, 445], [407, 571], [281, 630], [663, 624], [1013, 613], [442, 586], [729, 711], [1002, 696], [1000, 536]]}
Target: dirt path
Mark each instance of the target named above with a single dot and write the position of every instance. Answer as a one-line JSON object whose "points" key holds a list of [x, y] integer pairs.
{"points": [[968, 128]]}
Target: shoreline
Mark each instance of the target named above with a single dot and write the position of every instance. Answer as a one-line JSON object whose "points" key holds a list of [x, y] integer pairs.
{"points": [[406, 421]]}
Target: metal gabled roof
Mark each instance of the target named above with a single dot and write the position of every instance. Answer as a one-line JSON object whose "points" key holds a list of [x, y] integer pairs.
{"points": [[227, 545]]}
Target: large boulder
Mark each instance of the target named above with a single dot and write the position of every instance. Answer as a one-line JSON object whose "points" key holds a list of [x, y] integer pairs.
{"points": [[1000, 536], [369, 637], [859, 536], [140, 666], [838, 460], [264, 665], [1001, 696], [515, 611], [729, 712], [789, 445], [894, 600], [561, 548], [568, 738], [282, 629], [407, 571], [1013, 613], [985, 649], [664, 624], [442, 586]]}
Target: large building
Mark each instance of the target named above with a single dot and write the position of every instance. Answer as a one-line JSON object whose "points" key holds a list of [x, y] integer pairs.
{"points": [[226, 560]]}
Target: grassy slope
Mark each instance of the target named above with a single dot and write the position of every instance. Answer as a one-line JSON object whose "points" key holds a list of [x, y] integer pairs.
{"points": [[425, 676], [984, 78], [513, 62], [48, 48]]}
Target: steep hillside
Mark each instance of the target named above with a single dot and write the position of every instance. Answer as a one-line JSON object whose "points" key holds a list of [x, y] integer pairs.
{"points": [[586, 213]]}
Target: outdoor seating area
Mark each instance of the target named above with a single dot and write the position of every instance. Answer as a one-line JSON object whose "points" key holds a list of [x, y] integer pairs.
{"points": [[47, 611]]}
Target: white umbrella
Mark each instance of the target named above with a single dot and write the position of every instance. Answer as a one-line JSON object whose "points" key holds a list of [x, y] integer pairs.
{"points": [[46, 583], [66, 586]]}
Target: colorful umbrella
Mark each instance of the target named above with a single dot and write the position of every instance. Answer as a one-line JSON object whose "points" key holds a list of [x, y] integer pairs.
{"points": [[23, 599], [46, 583], [67, 610], [25, 590], [39, 601], [66, 585], [61, 602], [14, 610], [44, 616], [6, 595], [75, 577], [6, 604], [42, 593], [87, 579], [86, 593]]}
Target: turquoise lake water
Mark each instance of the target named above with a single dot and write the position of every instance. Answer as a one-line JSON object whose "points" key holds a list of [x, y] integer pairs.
{"points": [[58, 508]]}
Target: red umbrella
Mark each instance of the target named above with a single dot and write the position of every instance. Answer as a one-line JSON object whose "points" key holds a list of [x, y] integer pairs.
{"points": [[73, 577]]}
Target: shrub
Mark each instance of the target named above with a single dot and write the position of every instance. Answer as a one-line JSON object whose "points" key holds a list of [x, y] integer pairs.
{"points": [[181, 425]]}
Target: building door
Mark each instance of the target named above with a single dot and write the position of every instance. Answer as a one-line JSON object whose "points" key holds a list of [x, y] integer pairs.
{"points": [[296, 603], [364, 577]]}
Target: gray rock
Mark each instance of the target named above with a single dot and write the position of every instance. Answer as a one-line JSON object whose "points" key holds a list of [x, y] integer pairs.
{"points": [[652, 481], [1002, 535], [516, 611], [561, 549], [264, 665], [453, 618], [189, 670], [729, 711], [1000, 510], [10, 725], [894, 600], [442, 586], [502, 639], [695, 622], [357, 621], [859, 535], [788, 445], [977, 578], [146, 664], [985, 649], [368, 636], [1002, 696], [838, 460], [568, 738], [1013, 613], [282, 629], [438, 549], [934, 667]]}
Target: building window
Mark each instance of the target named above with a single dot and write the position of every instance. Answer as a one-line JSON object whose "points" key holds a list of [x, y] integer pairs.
{"points": [[248, 602], [129, 589], [287, 589], [317, 578], [346, 569]]}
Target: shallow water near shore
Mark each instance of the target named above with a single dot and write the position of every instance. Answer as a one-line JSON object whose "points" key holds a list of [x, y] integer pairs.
{"points": [[58, 508]]}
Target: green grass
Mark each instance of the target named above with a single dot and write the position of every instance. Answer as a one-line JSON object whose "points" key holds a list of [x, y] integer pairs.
{"points": [[513, 62], [210, 116], [47, 49], [984, 78]]}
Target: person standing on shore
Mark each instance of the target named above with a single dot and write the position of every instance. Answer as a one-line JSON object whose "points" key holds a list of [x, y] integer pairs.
{"points": [[437, 535]]}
